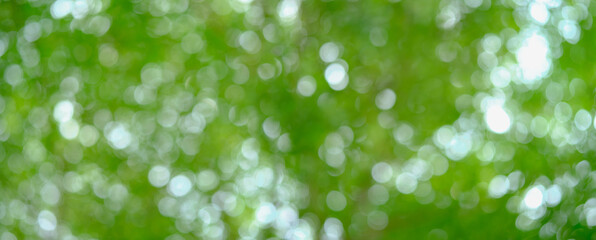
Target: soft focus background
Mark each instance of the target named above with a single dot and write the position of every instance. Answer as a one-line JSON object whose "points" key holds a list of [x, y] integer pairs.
{"points": [[291, 119]]}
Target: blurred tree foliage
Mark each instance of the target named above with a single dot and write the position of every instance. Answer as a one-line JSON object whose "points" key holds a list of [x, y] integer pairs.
{"points": [[229, 119]]}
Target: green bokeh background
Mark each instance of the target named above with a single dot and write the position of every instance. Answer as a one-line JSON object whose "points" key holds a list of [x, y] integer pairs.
{"points": [[427, 90]]}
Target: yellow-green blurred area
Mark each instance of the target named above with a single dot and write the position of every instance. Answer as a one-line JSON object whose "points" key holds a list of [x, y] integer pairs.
{"points": [[297, 119]]}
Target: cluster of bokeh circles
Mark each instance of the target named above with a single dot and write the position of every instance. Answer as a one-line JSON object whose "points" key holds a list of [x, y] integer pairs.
{"points": [[297, 119]]}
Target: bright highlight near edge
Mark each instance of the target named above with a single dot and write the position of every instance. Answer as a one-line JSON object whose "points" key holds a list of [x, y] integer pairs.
{"points": [[534, 198], [497, 120], [533, 58]]}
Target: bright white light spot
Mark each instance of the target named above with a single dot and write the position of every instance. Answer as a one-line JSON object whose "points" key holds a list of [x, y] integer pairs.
{"points": [[539, 12], [69, 129], [209, 214], [286, 217], [591, 217], [61, 8], [382, 172], [551, 3], [250, 149], [47, 220], [50, 194], [13, 74], [336, 76], [63, 111], [264, 177], [406, 183], [159, 176], [288, 10], [284, 143], [32, 31], [419, 168], [329, 52], [583, 119], [101, 24], [487, 61], [333, 228], [516, 180], [553, 195], [533, 58], [498, 186], [534, 198], [207, 180], [118, 136], [180, 185], [385, 99], [301, 231], [266, 71], [307, 86], [449, 16], [271, 127], [403, 134], [500, 77], [266, 213], [443, 136], [80, 8], [336, 201], [473, 3], [459, 146], [334, 73], [497, 119], [570, 30], [250, 41], [491, 43], [88, 135], [335, 157]]}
